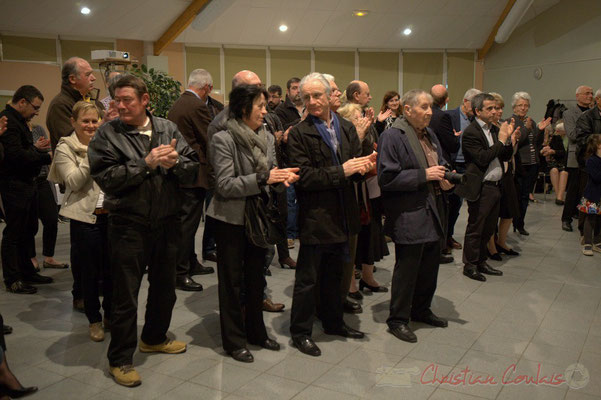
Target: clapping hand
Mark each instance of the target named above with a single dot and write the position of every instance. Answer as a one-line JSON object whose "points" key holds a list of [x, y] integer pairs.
{"points": [[544, 123], [383, 115], [3, 125], [163, 155], [42, 144], [287, 176]]}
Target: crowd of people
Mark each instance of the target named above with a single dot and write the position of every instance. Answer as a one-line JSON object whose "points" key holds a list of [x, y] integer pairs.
{"points": [[320, 166]]}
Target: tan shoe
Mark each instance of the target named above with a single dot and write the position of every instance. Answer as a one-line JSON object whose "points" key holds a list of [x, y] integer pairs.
{"points": [[270, 306], [290, 243], [169, 347], [96, 332], [125, 375]]}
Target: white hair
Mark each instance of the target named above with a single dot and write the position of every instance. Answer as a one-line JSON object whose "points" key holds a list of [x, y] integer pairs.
{"points": [[598, 93], [470, 93], [329, 78], [560, 127], [200, 78], [411, 98], [517, 96], [580, 88], [316, 76]]}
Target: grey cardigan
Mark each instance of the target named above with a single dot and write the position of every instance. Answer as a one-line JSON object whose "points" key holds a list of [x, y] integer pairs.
{"points": [[570, 116], [235, 177]]}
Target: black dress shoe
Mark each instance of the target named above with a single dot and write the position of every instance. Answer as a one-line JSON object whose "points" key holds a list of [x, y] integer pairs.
{"points": [[447, 251], [446, 259], [306, 345], [350, 307], [496, 256], [523, 232], [210, 257], [474, 274], [431, 319], [365, 285], [269, 344], [566, 226], [488, 270], [509, 252], [7, 329], [200, 269], [38, 279], [267, 272], [404, 333], [186, 283], [17, 393], [355, 295], [345, 331], [242, 355], [21, 287]]}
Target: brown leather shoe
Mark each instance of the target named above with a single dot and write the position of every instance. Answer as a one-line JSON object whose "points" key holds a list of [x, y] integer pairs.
{"points": [[96, 332], [270, 306], [287, 262], [454, 244], [78, 305]]}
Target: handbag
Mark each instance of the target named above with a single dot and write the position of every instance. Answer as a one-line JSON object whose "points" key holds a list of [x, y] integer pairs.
{"points": [[262, 220]]}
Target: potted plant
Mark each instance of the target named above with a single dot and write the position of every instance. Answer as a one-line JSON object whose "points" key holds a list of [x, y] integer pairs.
{"points": [[162, 88]]}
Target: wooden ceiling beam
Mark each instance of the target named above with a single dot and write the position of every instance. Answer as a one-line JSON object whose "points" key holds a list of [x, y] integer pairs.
{"points": [[491, 38], [179, 25]]}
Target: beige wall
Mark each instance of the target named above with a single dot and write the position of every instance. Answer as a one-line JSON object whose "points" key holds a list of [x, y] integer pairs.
{"points": [[564, 41]]}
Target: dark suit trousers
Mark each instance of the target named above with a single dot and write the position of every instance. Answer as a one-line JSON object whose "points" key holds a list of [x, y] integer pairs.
{"points": [[20, 213], [455, 203], [208, 235], [526, 186], [191, 212], [413, 281], [319, 267], [282, 199], [481, 224], [577, 180], [132, 247], [47, 212], [240, 266]]}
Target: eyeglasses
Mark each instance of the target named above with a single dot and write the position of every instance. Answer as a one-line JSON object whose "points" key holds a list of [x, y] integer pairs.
{"points": [[37, 108]]}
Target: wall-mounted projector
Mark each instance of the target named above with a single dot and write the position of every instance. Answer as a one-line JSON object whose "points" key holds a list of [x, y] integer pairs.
{"points": [[110, 55]]}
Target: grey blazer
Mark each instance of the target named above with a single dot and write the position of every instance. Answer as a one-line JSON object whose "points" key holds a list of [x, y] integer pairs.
{"points": [[570, 116], [235, 177]]}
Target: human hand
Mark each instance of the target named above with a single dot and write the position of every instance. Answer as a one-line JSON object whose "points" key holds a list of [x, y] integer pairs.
{"points": [[277, 175], [361, 125], [42, 144], [544, 123], [170, 159], [435, 173], [357, 165], [383, 115], [446, 185], [278, 136], [369, 113], [285, 136], [162, 154], [506, 130], [292, 176], [3, 124], [457, 133]]}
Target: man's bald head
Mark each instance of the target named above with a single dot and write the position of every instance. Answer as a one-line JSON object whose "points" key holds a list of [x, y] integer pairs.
{"points": [[246, 77], [440, 95], [358, 92], [78, 74]]}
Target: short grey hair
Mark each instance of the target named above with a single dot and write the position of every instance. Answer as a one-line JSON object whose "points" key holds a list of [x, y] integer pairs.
{"points": [[329, 78], [470, 93], [598, 93], [560, 127], [411, 98], [112, 81], [517, 96], [316, 76], [580, 88], [200, 78]]}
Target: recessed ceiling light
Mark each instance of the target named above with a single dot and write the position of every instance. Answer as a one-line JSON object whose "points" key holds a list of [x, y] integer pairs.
{"points": [[407, 31], [283, 28], [85, 10], [360, 13]]}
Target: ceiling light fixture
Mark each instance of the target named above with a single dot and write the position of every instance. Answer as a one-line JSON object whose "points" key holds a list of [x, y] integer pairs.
{"points": [[407, 31], [283, 28], [360, 13], [85, 10]]}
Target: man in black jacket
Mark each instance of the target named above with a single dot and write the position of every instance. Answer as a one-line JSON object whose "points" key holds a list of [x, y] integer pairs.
{"points": [[290, 111], [485, 147], [139, 161], [329, 154], [22, 163]]}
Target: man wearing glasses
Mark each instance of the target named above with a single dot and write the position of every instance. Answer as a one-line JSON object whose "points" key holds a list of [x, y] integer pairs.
{"points": [[22, 162]]}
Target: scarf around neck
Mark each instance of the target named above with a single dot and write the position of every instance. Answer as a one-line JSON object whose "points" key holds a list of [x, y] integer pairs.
{"points": [[254, 143]]}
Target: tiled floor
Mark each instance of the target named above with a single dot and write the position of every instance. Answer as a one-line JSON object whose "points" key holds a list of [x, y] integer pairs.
{"points": [[538, 319]]}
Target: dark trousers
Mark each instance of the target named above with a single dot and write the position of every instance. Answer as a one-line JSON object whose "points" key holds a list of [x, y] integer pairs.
{"points": [[526, 183], [47, 212], [413, 281], [208, 235], [481, 224], [241, 266], [92, 257], [282, 199], [20, 203], [132, 247], [191, 212], [318, 266], [292, 224], [348, 269], [573, 194], [592, 229], [455, 202]]}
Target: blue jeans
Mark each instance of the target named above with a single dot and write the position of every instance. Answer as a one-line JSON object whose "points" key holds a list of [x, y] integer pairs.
{"points": [[292, 227]]}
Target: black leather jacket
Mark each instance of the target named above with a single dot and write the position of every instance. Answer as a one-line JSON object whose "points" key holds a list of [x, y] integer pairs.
{"points": [[132, 190]]}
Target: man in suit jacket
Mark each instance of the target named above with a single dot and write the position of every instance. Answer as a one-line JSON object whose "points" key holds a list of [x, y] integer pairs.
{"points": [[584, 99], [485, 147], [192, 114], [330, 157], [460, 118], [411, 175]]}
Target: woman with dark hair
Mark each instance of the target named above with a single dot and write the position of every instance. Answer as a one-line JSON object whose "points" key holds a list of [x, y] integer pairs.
{"points": [[243, 158], [555, 150], [389, 112], [83, 205]]}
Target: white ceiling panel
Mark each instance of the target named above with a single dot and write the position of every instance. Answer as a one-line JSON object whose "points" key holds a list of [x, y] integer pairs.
{"points": [[461, 24]]}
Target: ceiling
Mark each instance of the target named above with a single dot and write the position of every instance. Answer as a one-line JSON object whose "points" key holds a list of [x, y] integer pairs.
{"points": [[436, 24]]}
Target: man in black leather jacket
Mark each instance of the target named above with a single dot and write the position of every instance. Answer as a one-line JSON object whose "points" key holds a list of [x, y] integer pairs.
{"points": [[139, 161]]}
